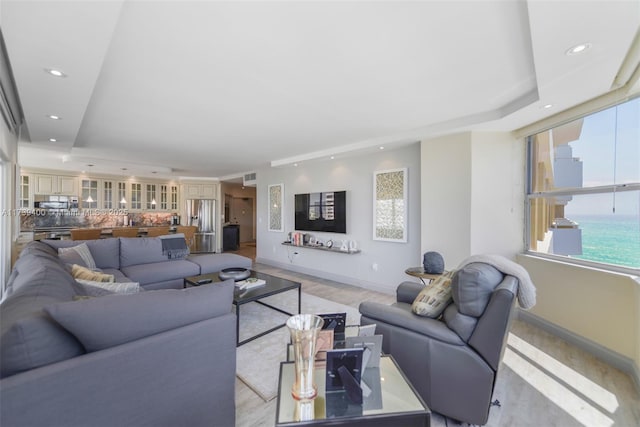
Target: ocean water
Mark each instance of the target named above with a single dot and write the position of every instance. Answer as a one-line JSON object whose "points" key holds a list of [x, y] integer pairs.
{"points": [[612, 239]]}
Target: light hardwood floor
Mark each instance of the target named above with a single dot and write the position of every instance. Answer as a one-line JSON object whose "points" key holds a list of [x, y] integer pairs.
{"points": [[543, 380]]}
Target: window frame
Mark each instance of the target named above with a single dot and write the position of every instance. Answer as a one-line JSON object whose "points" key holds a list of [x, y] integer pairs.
{"points": [[570, 191]]}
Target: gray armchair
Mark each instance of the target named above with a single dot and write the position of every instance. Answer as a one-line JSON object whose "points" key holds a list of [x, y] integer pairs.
{"points": [[452, 361]]}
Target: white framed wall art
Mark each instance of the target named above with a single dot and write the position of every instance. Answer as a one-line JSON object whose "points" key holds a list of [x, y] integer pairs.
{"points": [[390, 205], [276, 197]]}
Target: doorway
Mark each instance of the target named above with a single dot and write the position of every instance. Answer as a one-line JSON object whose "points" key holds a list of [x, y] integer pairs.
{"points": [[241, 211]]}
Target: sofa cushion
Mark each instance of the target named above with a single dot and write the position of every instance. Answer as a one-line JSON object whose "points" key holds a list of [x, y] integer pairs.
{"points": [[29, 338], [112, 320], [472, 287], [105, 252], [96, 289], [77, 255], [212, 263], [140, 250], [160, 271], [117, 274]]}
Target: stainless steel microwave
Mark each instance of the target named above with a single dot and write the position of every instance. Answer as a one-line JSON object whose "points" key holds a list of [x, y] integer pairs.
{"points": [[51, 202]]}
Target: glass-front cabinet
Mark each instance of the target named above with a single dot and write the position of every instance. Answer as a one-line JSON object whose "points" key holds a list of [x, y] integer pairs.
{"points": [[136, 195], [173, 204], [25, 192], [122, 195], [107, 195], [89, 194], [151, 203]]}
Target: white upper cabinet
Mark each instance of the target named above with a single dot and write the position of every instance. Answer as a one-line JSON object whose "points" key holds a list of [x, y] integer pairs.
{"points": [[200, 191], [53, 184]]}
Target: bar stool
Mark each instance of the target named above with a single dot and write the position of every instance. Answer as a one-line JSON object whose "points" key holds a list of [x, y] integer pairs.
{"points": [[125, 232], [157, 231], [188, 231], [85, 233]]}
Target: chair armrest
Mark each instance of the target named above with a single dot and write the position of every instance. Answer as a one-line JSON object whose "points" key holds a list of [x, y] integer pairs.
{"points": [[400, 315], [408, 291]]}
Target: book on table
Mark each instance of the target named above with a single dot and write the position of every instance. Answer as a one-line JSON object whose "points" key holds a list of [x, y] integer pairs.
{"points": [[250, 283]]}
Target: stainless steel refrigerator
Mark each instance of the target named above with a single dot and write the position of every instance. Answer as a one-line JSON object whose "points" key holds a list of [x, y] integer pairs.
{"points": [[202, 214]]}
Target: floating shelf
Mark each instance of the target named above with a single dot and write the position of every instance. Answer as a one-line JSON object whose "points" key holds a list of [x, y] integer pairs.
{"points": [[323, 248]]}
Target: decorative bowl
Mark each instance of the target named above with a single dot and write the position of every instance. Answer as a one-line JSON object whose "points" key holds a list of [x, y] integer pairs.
{"points": [[235, 273]]}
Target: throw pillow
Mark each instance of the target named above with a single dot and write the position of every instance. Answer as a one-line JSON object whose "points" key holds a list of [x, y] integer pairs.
{"points": [[79, 254], [100, 323], [97, 289], [434, 298], [83, 273]]}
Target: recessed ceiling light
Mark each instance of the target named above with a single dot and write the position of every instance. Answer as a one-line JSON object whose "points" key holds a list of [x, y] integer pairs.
{"points": [[295, 164], [332, 157], [52, 140], [54, 117], [382, 148], [547, 106], [54, 72], [579, 48]]}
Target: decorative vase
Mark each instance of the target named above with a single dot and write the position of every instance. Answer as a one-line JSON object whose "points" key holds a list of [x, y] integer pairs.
{"points": [[433, 263], [304, 330]]}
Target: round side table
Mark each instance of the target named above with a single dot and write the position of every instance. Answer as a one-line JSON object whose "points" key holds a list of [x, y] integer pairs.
{"points": [[420, 274]]}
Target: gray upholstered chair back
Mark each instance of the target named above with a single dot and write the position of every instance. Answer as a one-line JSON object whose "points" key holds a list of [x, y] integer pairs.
{"points": [[482, 300]]}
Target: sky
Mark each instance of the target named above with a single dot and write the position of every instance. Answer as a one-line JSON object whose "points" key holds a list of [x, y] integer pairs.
{"points": [[601, 142]]}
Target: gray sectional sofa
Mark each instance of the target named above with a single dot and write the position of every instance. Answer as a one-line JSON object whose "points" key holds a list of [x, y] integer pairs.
{"points": [[160, 357]]}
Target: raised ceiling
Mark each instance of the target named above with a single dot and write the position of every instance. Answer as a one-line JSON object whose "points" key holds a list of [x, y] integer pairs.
{"points": [[215, 89]]}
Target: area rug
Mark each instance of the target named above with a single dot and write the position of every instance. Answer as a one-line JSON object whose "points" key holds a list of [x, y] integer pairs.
{"points": [[258, 362]]}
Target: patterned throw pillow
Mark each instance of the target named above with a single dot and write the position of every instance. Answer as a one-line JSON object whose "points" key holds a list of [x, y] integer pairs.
{"points": [[434, 298], [80, 272], [79, 254]]}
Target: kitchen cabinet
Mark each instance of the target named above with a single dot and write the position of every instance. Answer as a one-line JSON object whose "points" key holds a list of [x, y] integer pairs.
{"points": [[151, 203], [200, 191], [168, 197], [54, 184], [26, 195], [89, 194]]}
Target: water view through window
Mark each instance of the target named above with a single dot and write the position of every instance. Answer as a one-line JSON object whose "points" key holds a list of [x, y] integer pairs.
{"points": [[584, 188]]}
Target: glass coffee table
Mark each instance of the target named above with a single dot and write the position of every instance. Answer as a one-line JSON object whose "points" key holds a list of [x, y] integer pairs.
{"points": [[392, 401], [274, 285]]}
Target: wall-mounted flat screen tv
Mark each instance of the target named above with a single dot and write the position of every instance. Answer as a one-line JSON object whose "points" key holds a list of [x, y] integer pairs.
{"points": [[321, 212]]}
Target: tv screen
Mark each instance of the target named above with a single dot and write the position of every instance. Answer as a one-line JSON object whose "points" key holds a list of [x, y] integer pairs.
{"points": [[325, 212]]}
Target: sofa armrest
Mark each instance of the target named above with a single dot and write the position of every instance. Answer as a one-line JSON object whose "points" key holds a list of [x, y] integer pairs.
{"points": [[185, 376], [400, 315], [408, 291]]}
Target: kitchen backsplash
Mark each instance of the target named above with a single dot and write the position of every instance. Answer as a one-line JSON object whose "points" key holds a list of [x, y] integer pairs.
{"points": [[91, 218]]}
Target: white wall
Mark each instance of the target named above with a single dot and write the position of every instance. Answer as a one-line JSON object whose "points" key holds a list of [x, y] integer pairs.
{"points": [[472, 195], [355, 175], [497, 194], [446, 197], [601, 306]]}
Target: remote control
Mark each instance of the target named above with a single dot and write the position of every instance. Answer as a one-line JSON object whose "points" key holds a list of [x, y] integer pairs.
{"points": [[204, 281]]}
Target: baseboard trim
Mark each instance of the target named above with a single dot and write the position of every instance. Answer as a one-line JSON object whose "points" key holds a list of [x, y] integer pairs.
{"points": [[327, 275], [610, 357]]}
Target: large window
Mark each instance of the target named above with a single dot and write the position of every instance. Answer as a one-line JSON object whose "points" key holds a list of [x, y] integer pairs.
{"points": [[584, 188]]}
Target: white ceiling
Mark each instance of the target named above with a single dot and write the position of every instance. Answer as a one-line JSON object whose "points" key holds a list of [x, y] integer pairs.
{"points": [[215, 89]]}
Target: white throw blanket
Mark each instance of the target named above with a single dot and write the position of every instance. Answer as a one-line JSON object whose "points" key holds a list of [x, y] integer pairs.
{"points": [[526, 289]]}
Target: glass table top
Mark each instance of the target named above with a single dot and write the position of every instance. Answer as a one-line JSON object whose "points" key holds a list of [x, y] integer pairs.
{"points": [[389, 393]]}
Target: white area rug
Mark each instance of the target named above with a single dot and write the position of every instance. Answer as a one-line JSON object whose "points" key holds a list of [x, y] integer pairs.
{"points": [[258, 362]]}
